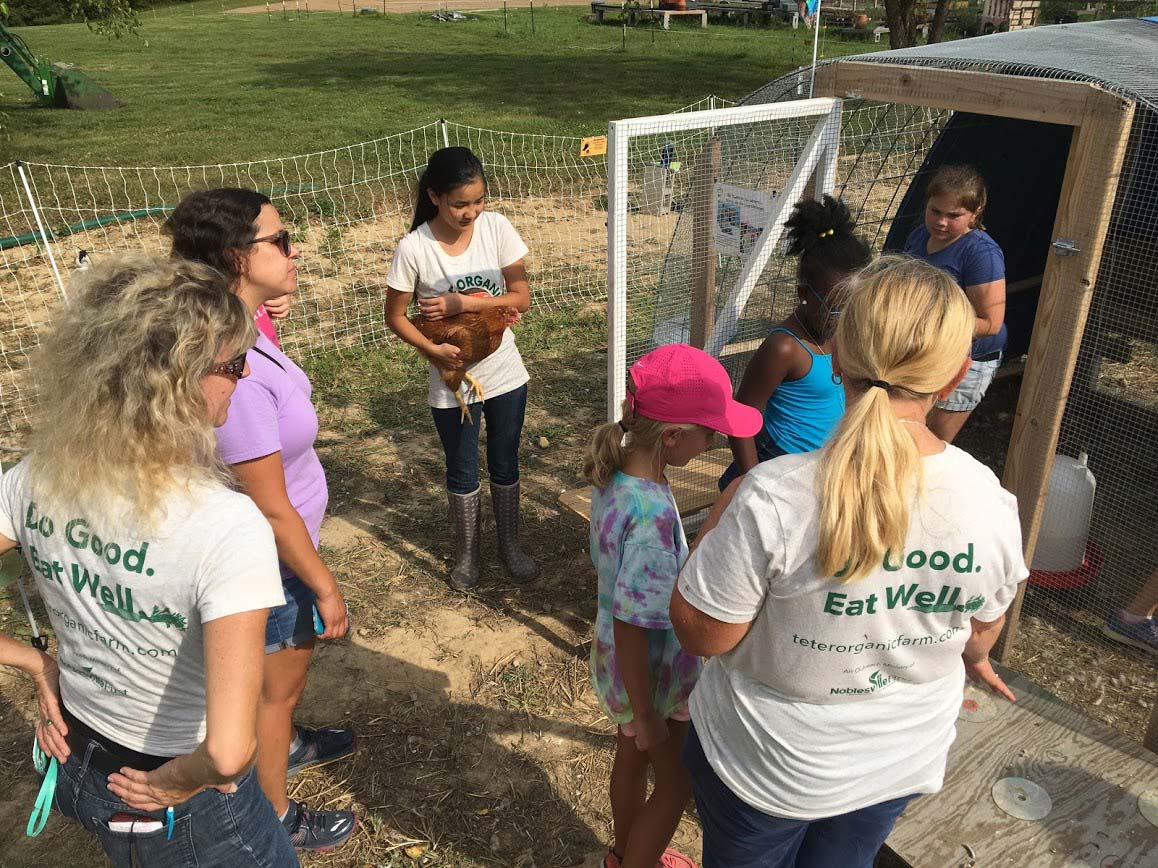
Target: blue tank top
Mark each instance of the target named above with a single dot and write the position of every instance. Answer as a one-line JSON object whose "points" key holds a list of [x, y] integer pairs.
{"points": [[802, 413]]}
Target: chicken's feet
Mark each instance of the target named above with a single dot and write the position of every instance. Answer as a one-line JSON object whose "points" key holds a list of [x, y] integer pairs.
{"points": [[475, 387], [466, 416]]}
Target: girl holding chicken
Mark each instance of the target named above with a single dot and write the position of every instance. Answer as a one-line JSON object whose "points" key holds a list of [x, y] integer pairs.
{"points": [[458, 258]]}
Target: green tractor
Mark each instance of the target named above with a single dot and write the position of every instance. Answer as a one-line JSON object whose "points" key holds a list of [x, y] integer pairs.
{"points": [[55, 84]]}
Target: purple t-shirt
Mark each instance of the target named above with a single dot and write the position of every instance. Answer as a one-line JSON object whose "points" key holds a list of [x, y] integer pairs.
{"points": [[271, 412], [972, 259]]}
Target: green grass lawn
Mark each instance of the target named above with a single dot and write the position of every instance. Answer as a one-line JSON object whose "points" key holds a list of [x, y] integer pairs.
{"points": [[218, 88]]}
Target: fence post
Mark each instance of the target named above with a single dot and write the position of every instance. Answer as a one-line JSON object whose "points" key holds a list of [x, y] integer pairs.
{"points": [[445, 136], [532, 17], [704, 245], [40, 228], [617, 178]]}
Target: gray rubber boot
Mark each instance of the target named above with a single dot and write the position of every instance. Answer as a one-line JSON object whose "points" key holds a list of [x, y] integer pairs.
{"points": [[505, 503], [466, 516]]}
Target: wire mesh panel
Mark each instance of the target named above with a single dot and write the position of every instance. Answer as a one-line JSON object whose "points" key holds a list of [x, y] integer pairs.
{"points": [[697, 204], [347, 207], [26, 304], [1096, 562]]}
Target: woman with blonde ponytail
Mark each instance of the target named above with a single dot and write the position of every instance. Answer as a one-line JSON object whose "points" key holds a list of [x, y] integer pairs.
{"points": [[845, 594]]}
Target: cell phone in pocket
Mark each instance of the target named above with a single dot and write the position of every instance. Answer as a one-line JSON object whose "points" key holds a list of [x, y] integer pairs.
{"points": [[135, 823]]}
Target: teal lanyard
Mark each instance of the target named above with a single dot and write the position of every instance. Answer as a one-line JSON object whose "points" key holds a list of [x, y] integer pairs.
{"points": [[47, 766]]}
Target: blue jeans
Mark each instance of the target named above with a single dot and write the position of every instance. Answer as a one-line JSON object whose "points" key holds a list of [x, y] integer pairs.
{"points": [[504, 416], [239, 830], [766, 450], [736, 835]]}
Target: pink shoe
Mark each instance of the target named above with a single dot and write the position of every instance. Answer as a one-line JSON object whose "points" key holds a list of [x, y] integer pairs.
{"points": [[675, 859], [610, 860]]}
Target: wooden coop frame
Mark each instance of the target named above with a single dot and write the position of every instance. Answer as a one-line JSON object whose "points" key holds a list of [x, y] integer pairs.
{"points": [[1101, 123]]}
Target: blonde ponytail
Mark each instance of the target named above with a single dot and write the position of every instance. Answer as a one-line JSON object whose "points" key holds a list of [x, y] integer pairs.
{"points": [[906, 325], [607, 451], [605, 455]]}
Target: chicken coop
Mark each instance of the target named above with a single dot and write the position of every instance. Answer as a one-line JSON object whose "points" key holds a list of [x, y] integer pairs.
{"points": [[1063, 123]]}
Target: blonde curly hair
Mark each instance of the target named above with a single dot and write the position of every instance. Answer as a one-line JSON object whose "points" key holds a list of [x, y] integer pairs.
{"points": [[120, 416]]}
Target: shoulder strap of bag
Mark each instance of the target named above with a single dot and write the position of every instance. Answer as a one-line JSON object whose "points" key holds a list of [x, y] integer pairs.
{"points": [[268, 356]]}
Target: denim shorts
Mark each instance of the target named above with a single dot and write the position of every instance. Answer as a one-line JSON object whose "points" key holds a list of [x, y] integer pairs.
{"points": [[292, 624], [972, 389], [238, 830]]}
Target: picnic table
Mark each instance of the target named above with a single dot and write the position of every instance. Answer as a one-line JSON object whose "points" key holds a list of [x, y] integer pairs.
{"points": [[600, 8]]}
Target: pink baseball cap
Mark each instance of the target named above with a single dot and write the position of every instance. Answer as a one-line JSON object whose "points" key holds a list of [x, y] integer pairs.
{"points": [[678, 383]]}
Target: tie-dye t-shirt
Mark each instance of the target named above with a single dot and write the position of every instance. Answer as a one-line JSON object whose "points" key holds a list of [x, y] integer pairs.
{"points": [[638, 547]]}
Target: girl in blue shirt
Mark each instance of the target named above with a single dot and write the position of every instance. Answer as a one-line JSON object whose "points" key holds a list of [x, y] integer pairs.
{"points": [[954, 239], [789, 378]]}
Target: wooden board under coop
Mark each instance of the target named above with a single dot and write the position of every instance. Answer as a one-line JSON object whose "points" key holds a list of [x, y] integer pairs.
{"points": [[694, 487], [1093, 776]]}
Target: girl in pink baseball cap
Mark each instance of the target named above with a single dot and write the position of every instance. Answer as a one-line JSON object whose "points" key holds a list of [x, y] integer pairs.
{"points": [[678, 398]]}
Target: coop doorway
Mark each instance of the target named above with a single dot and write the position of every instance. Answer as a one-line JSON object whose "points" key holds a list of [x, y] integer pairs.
{"points": [[1024, 165]]}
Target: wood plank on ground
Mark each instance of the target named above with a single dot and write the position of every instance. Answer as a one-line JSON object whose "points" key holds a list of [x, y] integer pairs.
{"points": [[694, 487], [1092, 773]]}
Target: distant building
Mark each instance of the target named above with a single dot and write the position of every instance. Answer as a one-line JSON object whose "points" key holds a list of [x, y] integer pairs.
{"points": [[1009, 15]]}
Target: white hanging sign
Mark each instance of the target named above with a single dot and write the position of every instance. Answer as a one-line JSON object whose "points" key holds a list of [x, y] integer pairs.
{"points": [[741, 215]]}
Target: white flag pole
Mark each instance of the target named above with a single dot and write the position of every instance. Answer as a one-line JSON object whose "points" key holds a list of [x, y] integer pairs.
{"points": [[815, 46]]}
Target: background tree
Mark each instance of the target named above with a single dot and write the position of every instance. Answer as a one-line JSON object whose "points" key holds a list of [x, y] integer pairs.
{"points": [[937, 25], [901, 17], [109, 17]]}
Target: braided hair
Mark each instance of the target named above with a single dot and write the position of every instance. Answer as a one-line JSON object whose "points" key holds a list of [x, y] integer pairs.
{"points": [[821, 234]]}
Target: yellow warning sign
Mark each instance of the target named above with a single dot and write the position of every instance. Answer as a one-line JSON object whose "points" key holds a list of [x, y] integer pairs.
{"points": [[593, 146]]}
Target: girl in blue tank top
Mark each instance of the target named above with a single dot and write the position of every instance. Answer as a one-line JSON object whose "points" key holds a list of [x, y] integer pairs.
{"points": [[789, 378]]}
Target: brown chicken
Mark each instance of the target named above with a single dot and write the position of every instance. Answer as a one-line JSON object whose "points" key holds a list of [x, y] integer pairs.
{"points": [[477, 335]]}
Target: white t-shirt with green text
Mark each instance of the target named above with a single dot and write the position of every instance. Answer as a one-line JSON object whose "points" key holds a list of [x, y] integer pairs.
{"points": [[127, 605], [420, 265], [843, 696]]}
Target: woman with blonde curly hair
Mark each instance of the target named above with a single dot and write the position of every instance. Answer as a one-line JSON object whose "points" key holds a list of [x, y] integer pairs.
{"points": [[156, 576], [844, 595]]}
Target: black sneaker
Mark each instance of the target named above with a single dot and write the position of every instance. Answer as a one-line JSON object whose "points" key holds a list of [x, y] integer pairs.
{"points": [[318, 830], [320, 746]]}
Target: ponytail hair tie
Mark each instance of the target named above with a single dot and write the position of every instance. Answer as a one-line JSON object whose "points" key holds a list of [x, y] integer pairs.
{"points": [[623, 427], [881, 384], [827, 233]]}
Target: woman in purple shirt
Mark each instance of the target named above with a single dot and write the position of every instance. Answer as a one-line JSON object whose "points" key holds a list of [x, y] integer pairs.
{"points": [[953, 239], [268, 441]]}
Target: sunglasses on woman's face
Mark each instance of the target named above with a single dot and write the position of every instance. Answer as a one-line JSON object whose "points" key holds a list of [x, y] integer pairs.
{"points": [[233, 368], [281, 240]]}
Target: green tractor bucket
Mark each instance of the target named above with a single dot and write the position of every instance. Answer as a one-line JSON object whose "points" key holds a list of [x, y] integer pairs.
{"points": [[75, 90], [57, 84]]}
